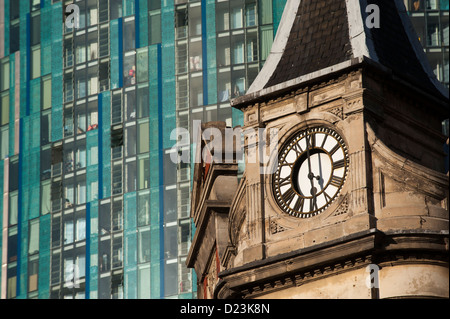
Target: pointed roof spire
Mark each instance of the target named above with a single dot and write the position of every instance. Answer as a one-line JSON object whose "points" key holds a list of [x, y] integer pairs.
{"points": [[318, 37]]}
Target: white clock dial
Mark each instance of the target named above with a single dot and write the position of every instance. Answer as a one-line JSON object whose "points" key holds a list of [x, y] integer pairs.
{"points": [[312, 167]]}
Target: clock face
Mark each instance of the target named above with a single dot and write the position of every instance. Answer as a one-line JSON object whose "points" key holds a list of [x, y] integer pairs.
{"points": [[312, 167]]}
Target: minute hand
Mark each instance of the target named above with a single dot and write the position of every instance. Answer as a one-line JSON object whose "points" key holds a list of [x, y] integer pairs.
{"points": [[310, 174]]}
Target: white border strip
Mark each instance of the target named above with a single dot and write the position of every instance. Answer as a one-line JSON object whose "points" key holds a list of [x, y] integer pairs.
{"points": [[360, 36]]}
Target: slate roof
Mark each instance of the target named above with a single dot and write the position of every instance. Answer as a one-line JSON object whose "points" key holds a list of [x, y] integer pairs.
{"points": [[318, 38], [323, 34]]}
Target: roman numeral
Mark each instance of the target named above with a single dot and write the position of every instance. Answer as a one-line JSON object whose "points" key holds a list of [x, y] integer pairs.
{"points": [[297, 149], [324, 141], [284, 163], [336, 181], [284, 181], [313, 204], [299, 204], [327, 197], [311, 140], [334, 149], [288, 196], [339, 164]]}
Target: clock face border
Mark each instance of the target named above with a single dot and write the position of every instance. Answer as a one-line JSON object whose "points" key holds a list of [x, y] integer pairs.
{"points": [[288, 200]]}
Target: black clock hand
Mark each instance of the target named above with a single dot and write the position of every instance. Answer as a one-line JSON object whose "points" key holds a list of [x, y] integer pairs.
{"points": [[310, 173]]}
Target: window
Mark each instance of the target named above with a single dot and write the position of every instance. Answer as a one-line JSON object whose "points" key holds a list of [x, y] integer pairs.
{"points": [[92, 15], [14, 9], [80, 157], [266, 38], [13, 207], [129, 67], [236, 18], [35, 29], [144, 173], [81, 84], [154, 25], [46, 128], [12, 281], [154, 4], [45, 198], [33, 271], [14, 35], [68, 122], [4, 142], [130, 176], [238, 52], [80, 265], [35, 62], [93, 155], [35, 5], [68, 232], [250, 15], [142, 101], [115, 9], [46, 95], [129, 37], [181, 22], [4, 103], [69, 192], [195, 21], [104, 219], [265, 11], [55, 268], [117, 215], [130, 104], [80, 228], [92, 83], [143, 217], [33, 246], [130, 135], [81, 192], [68, 271], [144, 282], [117, 178], [143, 137], [117, 252], [144, 245], [4, 75], [68, 87], [252, 49], [222, 17], [92, 48], [92, 116], [80, 52], [142, 65], [80, 115]]}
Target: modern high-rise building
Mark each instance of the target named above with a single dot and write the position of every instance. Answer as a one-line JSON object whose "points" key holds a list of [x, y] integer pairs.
{"points": [[92, 206], [430, 20]]}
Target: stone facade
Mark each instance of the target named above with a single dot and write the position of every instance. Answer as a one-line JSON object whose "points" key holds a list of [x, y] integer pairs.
{"points": [[384, 236]]}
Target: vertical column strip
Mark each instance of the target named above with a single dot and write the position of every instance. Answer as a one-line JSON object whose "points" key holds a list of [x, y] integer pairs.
{"points": [[2, 28], [16, 102], [5, 228]]}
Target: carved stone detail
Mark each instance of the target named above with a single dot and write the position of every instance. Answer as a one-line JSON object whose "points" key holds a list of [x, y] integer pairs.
{"points": [[338, 111], [275, 227], [343, 207]]}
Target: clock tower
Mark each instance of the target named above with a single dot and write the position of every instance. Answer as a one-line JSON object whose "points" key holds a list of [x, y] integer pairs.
{"points": [[353, 202]]}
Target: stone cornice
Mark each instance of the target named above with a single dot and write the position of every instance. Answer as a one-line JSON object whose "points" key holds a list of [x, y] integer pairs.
{"points": [[351, 252]]}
